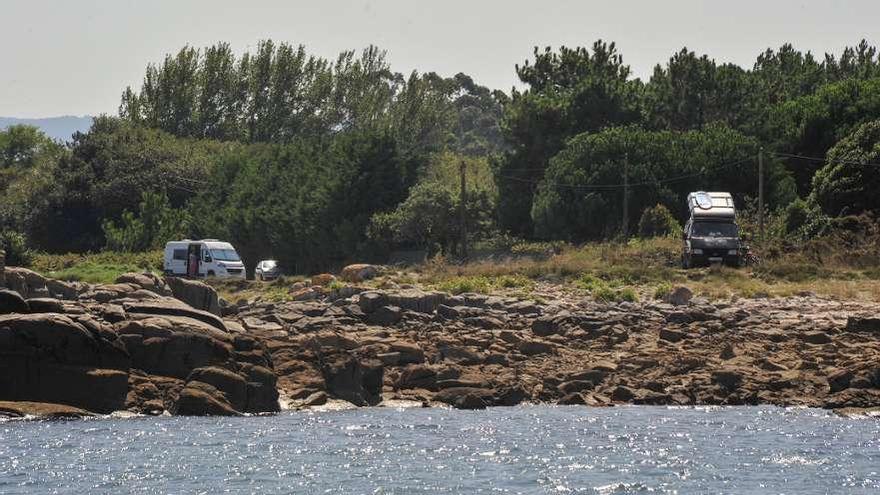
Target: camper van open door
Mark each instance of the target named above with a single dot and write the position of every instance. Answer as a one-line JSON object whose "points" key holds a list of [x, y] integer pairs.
{"points": [[193, 259]]}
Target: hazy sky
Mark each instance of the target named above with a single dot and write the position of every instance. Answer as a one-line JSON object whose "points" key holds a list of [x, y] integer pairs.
{"points": [[76, 57]]}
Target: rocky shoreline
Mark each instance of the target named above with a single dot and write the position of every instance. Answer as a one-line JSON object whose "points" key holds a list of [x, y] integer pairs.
{"points": [[169, 346]]}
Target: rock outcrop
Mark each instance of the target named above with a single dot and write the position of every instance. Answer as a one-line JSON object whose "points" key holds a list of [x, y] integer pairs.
{"points": [[50, 357], [197, 294], [31, 284], [127, 345], [359, 272], [40, 410], [473, 351], [12, 302]]}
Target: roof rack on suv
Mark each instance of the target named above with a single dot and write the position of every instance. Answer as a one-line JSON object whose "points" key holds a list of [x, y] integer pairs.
{"points": [[711, 204]]}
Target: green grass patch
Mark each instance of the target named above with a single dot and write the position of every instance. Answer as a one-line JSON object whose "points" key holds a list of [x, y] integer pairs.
{"points": [[150, 260], [94, 273], [662, 290], [96, 268], [513, 281], [606, 290]]}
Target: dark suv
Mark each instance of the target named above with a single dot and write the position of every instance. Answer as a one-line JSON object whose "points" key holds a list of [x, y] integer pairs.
{"points": [[711, 241]]}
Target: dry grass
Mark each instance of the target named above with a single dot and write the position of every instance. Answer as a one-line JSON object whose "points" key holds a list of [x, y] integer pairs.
{"points": [[651, 267], [641, 268]]}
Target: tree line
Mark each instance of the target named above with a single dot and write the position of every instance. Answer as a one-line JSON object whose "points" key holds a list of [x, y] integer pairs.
{"points": [[316, 161]]}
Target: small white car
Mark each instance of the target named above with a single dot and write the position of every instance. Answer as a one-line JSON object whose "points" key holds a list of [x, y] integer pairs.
{"points": [[267, 270]]}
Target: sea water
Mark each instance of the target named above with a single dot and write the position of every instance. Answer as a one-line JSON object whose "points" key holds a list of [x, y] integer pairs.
{"points": [[514, 450]]}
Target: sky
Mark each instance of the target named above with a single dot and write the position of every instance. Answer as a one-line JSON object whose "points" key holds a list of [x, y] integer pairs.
{"points": [[76, 58]]}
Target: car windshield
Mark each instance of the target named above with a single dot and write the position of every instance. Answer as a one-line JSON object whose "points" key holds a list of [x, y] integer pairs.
{"points": [[268, 265], [225, 255], [714, 229]]}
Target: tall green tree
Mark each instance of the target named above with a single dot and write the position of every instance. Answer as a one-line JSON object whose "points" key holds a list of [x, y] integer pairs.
{"points": [[572, 91], [849, 181]]}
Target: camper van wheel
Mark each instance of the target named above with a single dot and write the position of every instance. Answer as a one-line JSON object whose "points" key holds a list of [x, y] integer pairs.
{"points": [[210, 273]]}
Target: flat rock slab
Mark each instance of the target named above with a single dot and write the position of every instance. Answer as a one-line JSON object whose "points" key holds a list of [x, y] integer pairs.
{"points": [[23, 409]]}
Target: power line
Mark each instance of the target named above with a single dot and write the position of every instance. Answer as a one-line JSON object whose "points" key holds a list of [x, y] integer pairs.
{"points": [[600, 186], [619, 186], [824, 160]]}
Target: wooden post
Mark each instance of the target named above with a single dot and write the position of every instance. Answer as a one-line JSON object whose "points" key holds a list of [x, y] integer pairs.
{"points": [[761, 193], [625, 197], [462, 211]]}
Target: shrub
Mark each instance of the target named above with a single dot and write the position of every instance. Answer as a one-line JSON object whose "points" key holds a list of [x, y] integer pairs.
{"points": [[428, 219], [512, 281], [628, 294], [605, 291], [17, 251], [590, 283], [460, 285], [804, 219], [157, 223], [658, 221], [662, 290]]}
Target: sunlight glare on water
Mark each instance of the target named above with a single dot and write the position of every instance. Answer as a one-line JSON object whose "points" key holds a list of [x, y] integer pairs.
{"points": [[519, 450]]}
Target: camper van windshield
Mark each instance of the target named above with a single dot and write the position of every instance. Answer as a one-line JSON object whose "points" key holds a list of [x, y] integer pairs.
{"points": [[225, 255], [714, 229]]}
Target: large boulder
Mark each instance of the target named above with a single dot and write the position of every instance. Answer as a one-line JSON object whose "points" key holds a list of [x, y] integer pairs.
{"points": [[251, 389], [233, 385], [12, 302], [197, 294], [22, 409], [30, 284], [174, 347], [359, 272], [51, 358], [417, 376], [354, 381], [466, 397], [262, 390], [173, 308], [679, 296], [385, 316], [417, 300], [371, 301], [202, 399], [147, 281], [46, 305]]}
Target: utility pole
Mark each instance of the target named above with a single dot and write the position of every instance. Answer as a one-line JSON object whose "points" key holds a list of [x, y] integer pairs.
{"points": [[625, 196], [761, 193], [462, 209]]}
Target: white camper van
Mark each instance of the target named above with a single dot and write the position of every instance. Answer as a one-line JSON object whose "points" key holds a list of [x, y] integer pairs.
{"points": [[203, 258]]}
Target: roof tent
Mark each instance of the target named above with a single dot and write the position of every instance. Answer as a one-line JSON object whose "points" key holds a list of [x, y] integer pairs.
{"points": [[711, 205]]}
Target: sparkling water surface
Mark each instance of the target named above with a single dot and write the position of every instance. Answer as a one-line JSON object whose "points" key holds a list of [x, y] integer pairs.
{"points": [[526, 449]]}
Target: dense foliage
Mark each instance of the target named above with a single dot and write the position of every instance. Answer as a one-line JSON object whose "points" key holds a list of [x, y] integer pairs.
{"points": [[316, 161], [849, 182], [581, 198], [658, 221]]}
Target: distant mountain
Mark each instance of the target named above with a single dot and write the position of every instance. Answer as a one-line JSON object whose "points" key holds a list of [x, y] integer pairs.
{"points": [[58, 128]]}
